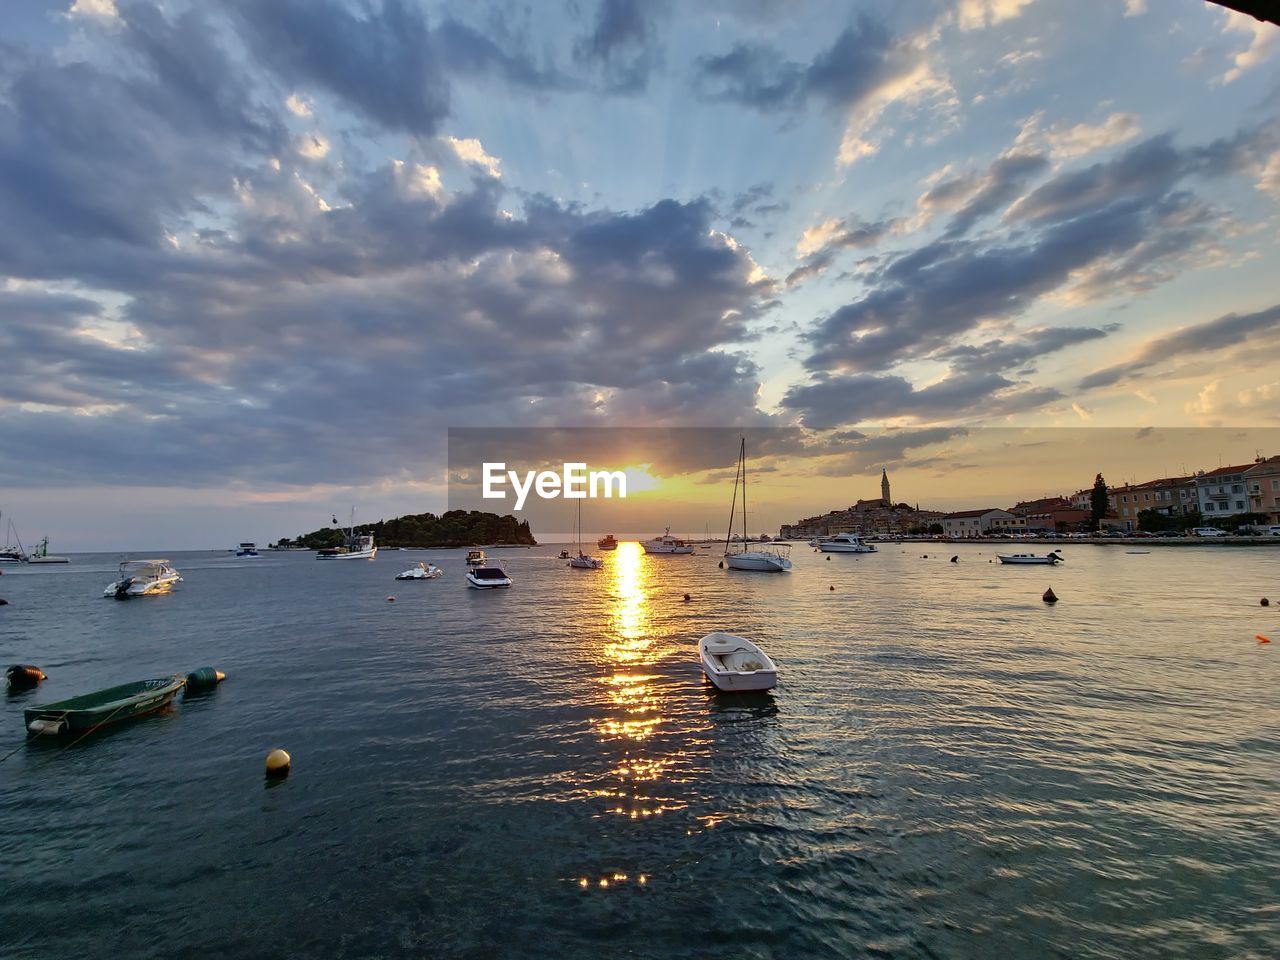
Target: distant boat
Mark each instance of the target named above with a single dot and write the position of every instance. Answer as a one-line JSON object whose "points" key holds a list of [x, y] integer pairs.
{"points": [[607, 542], [248, 551], [13, 551], [563, 555], [92, 710], [476, 558], [41, 554], [423, 571], [666, 544], [487, 578], [582, 561], [1030, 558], [357, 547], [142, 578], [736, 664], [845, 543], [763, 559]]}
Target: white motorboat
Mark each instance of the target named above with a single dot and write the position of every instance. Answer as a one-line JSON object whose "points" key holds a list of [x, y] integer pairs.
{"points": [[422, 571], [1015, 558], [739, 554], [248, 551], [41, 554], [475, 558], [357, 547], [736, 664], [846, 543], [666, 544], [142, 578], [487, 578]]}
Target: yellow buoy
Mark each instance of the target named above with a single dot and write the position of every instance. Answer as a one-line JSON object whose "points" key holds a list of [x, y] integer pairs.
{"points": [[278, 763]]}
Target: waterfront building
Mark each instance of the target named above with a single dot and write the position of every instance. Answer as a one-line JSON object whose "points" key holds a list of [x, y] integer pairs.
{"points": [[1262, 482], [973, 523], [1221, 493], [1170, 496]]}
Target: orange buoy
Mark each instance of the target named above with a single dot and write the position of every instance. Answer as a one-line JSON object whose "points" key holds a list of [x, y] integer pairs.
{"points": [[1261, 639]]}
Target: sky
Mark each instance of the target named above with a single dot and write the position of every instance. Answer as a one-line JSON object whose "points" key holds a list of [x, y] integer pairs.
{"points": [[257, 258]]}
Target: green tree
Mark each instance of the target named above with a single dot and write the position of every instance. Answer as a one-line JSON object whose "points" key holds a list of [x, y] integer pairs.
{"points": [[936, 528], [1098, 503]]}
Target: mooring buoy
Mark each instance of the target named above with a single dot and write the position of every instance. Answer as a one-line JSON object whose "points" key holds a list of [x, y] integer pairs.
{"points": [[278, 763], [1050, 596], [1266, 602], [1261, 639], [206, 678], [24, 675], [833, 588], [720, 564], [955, 559], [687, 598]]}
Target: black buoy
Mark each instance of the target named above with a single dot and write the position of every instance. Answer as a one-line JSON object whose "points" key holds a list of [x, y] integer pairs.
{"points": [[833, 588], [924, 556], [3, 602], [955, 559], [828, 559], [1050, 596], [721, 564], [24, 675], [687, 598], [1266, 602], [206, 678]]}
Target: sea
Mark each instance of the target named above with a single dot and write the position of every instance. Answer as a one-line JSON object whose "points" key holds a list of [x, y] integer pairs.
{"points": [[948, 767]]}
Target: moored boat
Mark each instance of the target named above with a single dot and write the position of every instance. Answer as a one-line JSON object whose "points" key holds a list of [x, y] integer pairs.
{"points": [[846, 543], [1049, 558], [736, 664], [487, 578], [92, 710], [41, 554], [738, 553], [142, 578], [607, 542], [475, 558], [356, 547], [666, 544], [423, 571], [248, 551]]}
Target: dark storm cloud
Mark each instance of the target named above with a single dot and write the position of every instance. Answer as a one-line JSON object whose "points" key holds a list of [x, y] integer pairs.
{"points": [[1231, 330], [863, 59], [623, 43], [1117, 226]]}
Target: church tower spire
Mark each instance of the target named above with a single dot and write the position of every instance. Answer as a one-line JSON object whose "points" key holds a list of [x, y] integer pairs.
{"points": [[884, 487]]}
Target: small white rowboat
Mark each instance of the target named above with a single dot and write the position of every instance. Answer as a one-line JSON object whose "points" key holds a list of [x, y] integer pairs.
{"points": [[736, 664]]}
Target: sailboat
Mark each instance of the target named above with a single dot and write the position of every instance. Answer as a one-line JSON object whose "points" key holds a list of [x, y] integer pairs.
{"points": [[357, 547], [742, 554], [582, 561], [11, 553]]}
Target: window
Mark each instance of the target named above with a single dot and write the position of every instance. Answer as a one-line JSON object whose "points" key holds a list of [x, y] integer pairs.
{"points": [[1235, 488], [1208, 508], [1239, 504], [1275, 484]]}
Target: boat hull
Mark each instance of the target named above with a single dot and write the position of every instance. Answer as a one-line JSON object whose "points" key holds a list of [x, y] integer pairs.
{"points": [[1024, 561], [94, 710], [827, 546], [475, 584], [352, 555], [756, 561], [735, 664], [660, 550], [48, 559], [150, 588]]}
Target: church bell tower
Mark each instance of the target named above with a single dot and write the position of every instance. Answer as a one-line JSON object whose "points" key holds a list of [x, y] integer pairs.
{"points": [[884, 488]]}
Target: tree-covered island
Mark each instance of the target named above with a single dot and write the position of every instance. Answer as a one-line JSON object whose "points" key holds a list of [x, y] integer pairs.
{"points": [[454, 528]]}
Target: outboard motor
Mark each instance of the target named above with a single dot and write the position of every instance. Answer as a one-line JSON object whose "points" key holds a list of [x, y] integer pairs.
{"points": [[122, 588]]}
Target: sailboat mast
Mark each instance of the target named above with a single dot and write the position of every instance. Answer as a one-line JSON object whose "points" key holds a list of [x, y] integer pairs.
{"points": [[733, 507], [742, 458]]}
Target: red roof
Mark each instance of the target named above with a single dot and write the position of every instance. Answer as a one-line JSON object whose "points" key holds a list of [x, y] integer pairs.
{"points": [[1226, 470]]}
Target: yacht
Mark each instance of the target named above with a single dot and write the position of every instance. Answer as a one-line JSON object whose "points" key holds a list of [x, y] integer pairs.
{"points": [[248, 551], [845, 543], [666, 544], [607, 542], [142, 578], [475, 558], [738, 553], [13, 551], [423, 571], [488, 577]]}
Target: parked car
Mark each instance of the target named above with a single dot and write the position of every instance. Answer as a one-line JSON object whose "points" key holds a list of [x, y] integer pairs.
{"points": [[1169, 533], [1141, 534], [1208, 532]]}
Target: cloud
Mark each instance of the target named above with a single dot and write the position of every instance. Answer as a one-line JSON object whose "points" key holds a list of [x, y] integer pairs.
{"points": [[1081, 224], [1063, 140], [1135, 8], [1005, 353], [859, 398], [298, 105], [472, 152], [1229, 330], [979, 196], [1264, 40], [105, 9], [977, 14], [819, 244], [623, 42]]}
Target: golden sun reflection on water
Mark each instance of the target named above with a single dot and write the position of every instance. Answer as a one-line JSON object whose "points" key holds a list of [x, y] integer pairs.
{"points": [[634, 693]]}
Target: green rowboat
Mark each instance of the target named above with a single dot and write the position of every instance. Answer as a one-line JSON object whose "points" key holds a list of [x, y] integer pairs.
{"points": [[93, 710]]}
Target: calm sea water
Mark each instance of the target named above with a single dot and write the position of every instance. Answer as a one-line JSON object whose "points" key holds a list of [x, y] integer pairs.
{"points": [[949, 767]]}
